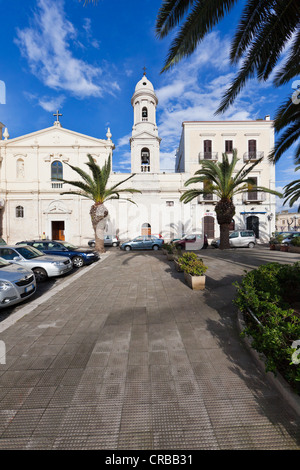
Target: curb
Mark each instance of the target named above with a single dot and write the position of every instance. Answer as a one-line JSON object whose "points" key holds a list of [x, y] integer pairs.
{"points": [[14, 317], [277, 381]]}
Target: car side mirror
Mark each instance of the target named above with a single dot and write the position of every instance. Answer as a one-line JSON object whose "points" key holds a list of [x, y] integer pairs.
{"points": [[17, 258]]}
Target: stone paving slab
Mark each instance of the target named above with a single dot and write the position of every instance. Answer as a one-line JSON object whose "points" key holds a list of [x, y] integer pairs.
{"points": [[127, 356]]}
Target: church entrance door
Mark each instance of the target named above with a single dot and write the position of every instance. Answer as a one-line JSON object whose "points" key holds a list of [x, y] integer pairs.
{"points": [[58, 230]]}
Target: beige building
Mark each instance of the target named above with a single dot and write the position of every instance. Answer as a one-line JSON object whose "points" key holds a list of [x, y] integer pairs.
{"points": [[287, 221], [31, 204]]}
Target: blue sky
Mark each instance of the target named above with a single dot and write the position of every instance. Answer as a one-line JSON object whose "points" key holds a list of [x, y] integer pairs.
{"points": [[86, 60]]}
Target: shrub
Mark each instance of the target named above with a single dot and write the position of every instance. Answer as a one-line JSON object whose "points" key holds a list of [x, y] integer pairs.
{"points": [[276, 240], [191, 264], [268, 292], [295, 241]]}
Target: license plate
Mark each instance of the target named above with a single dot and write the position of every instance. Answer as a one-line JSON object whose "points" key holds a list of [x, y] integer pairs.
{"points": [[29, 288]]}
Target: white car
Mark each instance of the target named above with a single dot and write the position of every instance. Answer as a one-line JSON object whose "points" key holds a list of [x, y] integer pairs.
{"points": [[42, 265], [16, 284]]}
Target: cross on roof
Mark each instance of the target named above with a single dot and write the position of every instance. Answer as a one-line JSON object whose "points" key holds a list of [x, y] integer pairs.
{"points": [[57, 115], [144, 68]]}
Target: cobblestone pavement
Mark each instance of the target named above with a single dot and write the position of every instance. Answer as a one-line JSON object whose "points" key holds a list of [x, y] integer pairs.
{"points": [[128, 357]]}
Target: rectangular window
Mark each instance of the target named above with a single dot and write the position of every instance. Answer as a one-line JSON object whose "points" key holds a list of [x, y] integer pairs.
{"points": [[228, 146], [252, 194], [170, 203]]}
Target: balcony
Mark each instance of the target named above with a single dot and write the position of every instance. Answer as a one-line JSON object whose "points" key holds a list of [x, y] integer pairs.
{"points": [[252, 156], [56, 185], [208, 156], [253, 197], [208, 199]]}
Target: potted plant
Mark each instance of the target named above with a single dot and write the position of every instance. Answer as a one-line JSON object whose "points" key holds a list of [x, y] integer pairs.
{"points": [[194, 270], [275, 242], [295, 245]]}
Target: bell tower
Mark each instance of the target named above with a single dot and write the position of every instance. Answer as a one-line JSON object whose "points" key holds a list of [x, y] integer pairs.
{"points": [[144, 141]]}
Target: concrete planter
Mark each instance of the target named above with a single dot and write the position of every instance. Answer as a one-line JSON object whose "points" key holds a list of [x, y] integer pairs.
{"points": [[195, 282], [284, 248], [294, 249], [177, 266]]}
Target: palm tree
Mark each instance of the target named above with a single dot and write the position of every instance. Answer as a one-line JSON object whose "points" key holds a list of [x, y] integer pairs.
{"points": [[292, 192], [266, 29], [287, 121], [94, 187], [223, 180]]}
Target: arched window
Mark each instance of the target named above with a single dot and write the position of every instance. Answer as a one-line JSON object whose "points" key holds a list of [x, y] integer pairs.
{"points": [[144, 114], [19, 211], [145, 160], [20, 168], [56, 170]]}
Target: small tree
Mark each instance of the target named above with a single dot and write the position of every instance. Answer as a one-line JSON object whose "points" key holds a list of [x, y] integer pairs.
{"points": [[222, 180], [94, 186]]}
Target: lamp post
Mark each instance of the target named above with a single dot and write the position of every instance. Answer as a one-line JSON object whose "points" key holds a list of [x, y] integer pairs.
{"points": [[270, 217]]}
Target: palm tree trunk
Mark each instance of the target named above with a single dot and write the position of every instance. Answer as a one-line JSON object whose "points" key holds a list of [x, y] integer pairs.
{"points": [[225, 211], [224, 237], [99, 214]]}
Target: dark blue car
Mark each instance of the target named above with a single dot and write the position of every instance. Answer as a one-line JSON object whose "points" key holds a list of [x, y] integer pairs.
{"points": [[78, 256]]}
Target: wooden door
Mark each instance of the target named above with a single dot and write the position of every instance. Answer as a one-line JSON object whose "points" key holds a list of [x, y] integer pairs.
{"points": [[209, 226], [58, 230]]}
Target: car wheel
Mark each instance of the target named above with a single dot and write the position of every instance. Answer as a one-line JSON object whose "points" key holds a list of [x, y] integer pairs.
{"points": [[40, 274], [251, 245], [127, 248], [114, 244], [155, 247], [77, 261]]}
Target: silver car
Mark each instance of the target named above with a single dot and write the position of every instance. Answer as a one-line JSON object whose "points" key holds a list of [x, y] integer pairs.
{"points": [[16, 283], [109, 240], [238, 238], [42, 265]]}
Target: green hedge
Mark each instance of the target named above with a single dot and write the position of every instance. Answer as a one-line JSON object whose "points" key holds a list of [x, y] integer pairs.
{"points": [[270, 293]]}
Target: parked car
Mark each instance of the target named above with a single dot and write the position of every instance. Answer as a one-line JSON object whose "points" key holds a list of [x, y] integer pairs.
{"points": [[78, 256], [238, 238], [143, 243], [192, 238], [288, 240], [109, 240], [16, 283], [42, 265]]}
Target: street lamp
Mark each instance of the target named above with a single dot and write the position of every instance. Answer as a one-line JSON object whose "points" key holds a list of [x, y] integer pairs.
{"points": [[270, 217]]}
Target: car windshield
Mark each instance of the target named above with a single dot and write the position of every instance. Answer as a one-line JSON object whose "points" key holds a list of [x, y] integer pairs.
{"points": [[29, 252], [3, 263], [69, 246]]}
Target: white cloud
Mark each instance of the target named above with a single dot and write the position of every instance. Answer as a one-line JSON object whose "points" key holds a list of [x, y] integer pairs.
{"points": [[46, 46], [192, 91]]}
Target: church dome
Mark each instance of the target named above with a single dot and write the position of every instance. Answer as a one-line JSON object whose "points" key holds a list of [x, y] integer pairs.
{"points": [[144, 84]]}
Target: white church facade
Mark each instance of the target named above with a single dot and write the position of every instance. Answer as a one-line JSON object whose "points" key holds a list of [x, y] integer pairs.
{"points": [[32, 207]]}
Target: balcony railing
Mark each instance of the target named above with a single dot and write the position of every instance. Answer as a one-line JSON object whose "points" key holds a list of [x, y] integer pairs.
{"points": [[145, 168], [254, 196], [252, 156], [208, 156], [56, 185], [208, 199]]}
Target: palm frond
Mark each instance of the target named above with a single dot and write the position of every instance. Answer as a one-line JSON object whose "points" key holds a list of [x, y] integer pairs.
{"points": [[170, 14], [201, 19]]}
